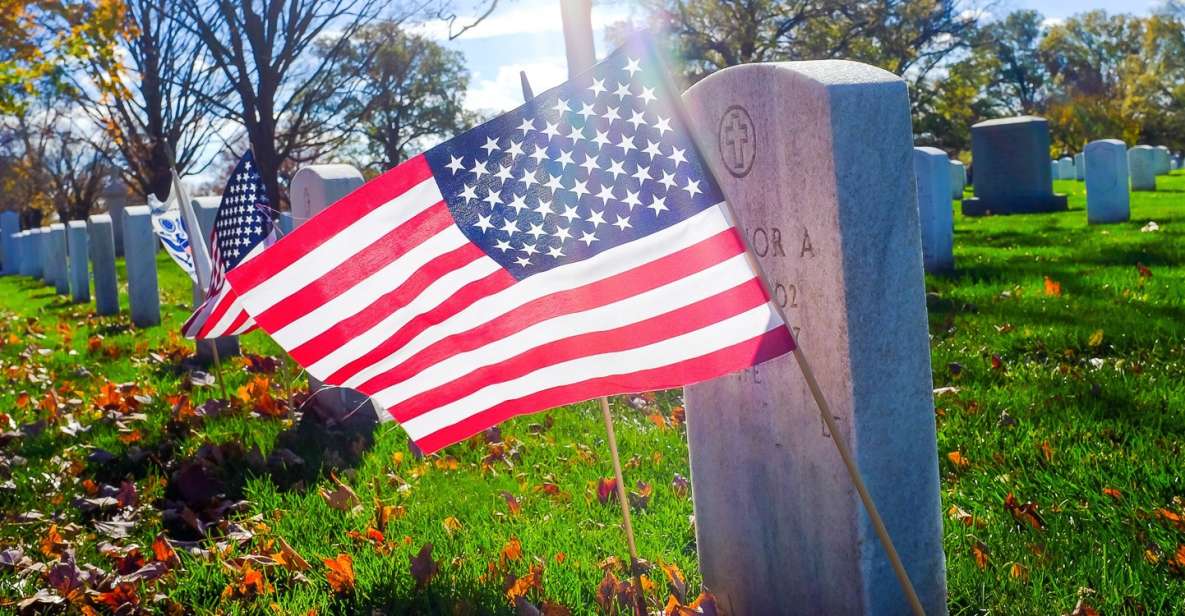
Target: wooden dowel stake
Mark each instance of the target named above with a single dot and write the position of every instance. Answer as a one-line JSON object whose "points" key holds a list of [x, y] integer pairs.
{"points": [[625, 508]]}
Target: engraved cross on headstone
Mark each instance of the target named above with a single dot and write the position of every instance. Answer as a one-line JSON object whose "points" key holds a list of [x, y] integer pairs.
{"points": [[736, 125]]}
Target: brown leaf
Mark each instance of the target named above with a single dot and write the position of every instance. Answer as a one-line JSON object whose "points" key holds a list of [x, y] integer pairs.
{"points": [[342, 497], [1024, 514], [1113, 493], [512, 503], [1019, 572], [423, 568], [340, 573], [289, 558], [980, 551], [512, 551], [606, 486], [521, 586], [452, 524], [958, 459]]}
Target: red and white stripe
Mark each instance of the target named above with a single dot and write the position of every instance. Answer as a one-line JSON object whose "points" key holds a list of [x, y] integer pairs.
{"points": [[383, 293], [221, 314]]}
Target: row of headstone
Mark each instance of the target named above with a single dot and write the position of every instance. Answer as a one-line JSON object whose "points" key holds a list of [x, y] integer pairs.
{"points": [[65, 255]]}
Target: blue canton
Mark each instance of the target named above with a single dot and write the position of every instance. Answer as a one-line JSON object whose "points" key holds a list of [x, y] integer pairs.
{"points": [[244, 217], [599, 161]]}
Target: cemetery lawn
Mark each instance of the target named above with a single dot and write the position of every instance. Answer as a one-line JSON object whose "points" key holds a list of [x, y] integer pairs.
{"points": [[1058, 351]]}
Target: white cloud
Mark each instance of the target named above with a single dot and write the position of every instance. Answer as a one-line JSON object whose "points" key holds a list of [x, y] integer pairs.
{"points": [[1050, 22], [504, 92]]}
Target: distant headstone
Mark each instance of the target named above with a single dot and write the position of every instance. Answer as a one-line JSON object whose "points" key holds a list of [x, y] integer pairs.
{"points": [[285, 223], [1107, 198], [206, 211], [1141, 165], [313, 189], [1054, 171], [1011, 176], [1080, 167], [1065, 168], [1163, 166], [779, 527], [10, 225], [935, 211], [102, 254], [19, 242], [139, 243], [958, 179], [58, 264], [31, 253], [115, 199], [44, 251], [79, 274]]}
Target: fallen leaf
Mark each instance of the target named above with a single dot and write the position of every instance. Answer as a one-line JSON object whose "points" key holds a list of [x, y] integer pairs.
{"points": [[452, 524], [340, 573], [980, 552], [342, 497], [958, 459], [423, 568], [512, 551], [1052, 287], [1096, 338], [606, 486], [1113, 493], [522, 585], [1018, 572], [1026, 513]]}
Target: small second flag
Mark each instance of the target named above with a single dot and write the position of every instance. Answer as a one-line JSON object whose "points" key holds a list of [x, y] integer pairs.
{"points": [[242, 230]]}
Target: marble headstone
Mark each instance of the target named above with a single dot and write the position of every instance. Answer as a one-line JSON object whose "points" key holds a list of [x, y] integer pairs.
{"points": [[935, 211], [102, 253], [31, 252], [313, 189], [284, 222], [1079, 167], [44, 251], [1011, 175], [139, 247], [22, 247], [1141, 165], [1163, 166], [1107, 198], [958, 179], [10, 225], [832, 217], [1065, 168], [58, 274], [76, 243], [115, 199], [205, 209]]}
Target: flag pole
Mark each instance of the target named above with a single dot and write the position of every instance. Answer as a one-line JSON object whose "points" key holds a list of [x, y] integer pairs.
{"points": [[635, 569], [202, 264], [580, 50], [804, 367]]}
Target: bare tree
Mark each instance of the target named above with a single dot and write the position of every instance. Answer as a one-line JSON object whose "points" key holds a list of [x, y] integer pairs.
{"points": [[283, 93], [154, 97]]}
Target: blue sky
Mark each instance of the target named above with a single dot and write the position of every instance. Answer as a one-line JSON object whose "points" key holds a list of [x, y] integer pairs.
{"points": [[525, 35]]}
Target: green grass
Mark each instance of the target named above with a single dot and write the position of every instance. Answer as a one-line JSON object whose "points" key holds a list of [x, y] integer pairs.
{"points": [[1086, 414]]}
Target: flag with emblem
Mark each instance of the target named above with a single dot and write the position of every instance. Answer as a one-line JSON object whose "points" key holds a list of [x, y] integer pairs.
{"points": [[575, 247], [242, 230]]}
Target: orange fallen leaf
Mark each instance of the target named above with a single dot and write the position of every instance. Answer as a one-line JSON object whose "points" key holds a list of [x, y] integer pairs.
{"points": [[1018, 572], [512, 551], [521, 586], [452, 524], [340, 573], [958, 459], [980, 552], [1113, 493], [1052, 287]]}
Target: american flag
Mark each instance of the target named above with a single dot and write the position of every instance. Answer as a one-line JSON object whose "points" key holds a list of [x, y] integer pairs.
{"points": [[242, 230], [575, 247]]}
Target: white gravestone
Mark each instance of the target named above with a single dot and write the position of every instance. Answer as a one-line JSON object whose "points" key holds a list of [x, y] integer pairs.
{"points": [[102, 253], [832, 216], [43, 242], [958, 179], [1065, 168], [1141, 165], [76, 244], [31, 253], [139, 249], [10, 225], [58, 272], [1079, 167], [1107, 198], [1163, 166], [935, 211], [313, 189], [205, 209]]}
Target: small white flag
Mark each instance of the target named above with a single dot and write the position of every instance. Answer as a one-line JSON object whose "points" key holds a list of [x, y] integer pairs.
{"points": [[167, 223]]}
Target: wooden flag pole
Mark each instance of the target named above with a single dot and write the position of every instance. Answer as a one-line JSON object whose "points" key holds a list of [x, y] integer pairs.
{"points": [[625, 507], [804, 366]]}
